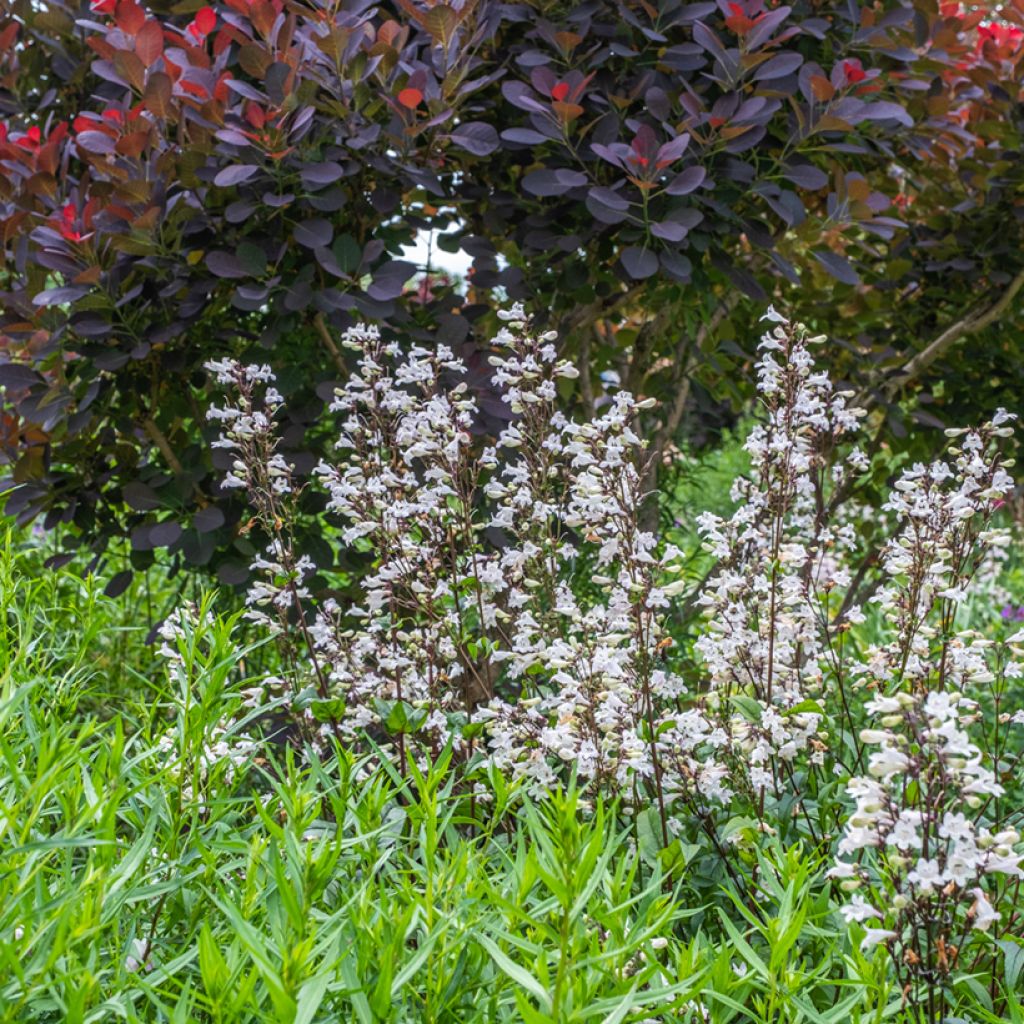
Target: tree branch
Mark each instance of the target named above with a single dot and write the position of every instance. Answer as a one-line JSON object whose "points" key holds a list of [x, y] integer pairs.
{"points": [[329, 343], [976, 320], [158, 438]]}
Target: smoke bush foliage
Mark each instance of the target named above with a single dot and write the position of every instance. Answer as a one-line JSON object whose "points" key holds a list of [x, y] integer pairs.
{"points": [[517, 616]]}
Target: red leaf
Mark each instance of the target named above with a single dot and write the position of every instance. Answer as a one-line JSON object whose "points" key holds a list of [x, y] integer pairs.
{"points": [[410, 98], [853, 71], [149, 42], [206, 20], [194, 88], [560, 91], [254, 114], [130, 17], [220, 90]]}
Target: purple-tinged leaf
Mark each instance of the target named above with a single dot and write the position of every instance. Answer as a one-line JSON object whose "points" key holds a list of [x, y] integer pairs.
{"points": [[607, 206], [533, 59], [316, 176], [313, 233], [838, 266], [677, 266], [520, 95], [779, 66], [233, 137], [672, 151], [885, 111], [787, 205], [389, 280], [58, 296], [239, 211], [326, 258], [769, 22], [208, 519], [670, 231], [476, 137], [95, 142], [610, 198], [696, 11], [685, 57], [15, 376], [658, 103], [639, 263], [707, 39], [524, 136], [140, 497], [235, 175], [225, 264], [686, 181], [244, 89], [164, 534], [118, 584], [806, 176], [553, 182], [748, 140], [616, 153]]}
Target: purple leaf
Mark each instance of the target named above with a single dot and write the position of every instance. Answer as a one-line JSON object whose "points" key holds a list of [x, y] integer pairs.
{"points": [[686, 181], [677, 266], [673, 150], [520, 95], [225, 264], [118, 584], [389, 280], [615, 154], [707, 39], [607, 206], [670, 231], [165, 534], [95, 142], [140, 497], [235, 175], [476, 137], [639, 263], [610, 198], [207, 519], [779, 66], [838, 266], [313, 233], [885, 111], [525, 136], [553, 182], [806, 176], [316, 176], [769, 22], [14, 376], [56, 296]]}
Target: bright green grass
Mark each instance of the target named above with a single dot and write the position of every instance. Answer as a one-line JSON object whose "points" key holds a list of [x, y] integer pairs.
{"points": [[333, 892]]}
